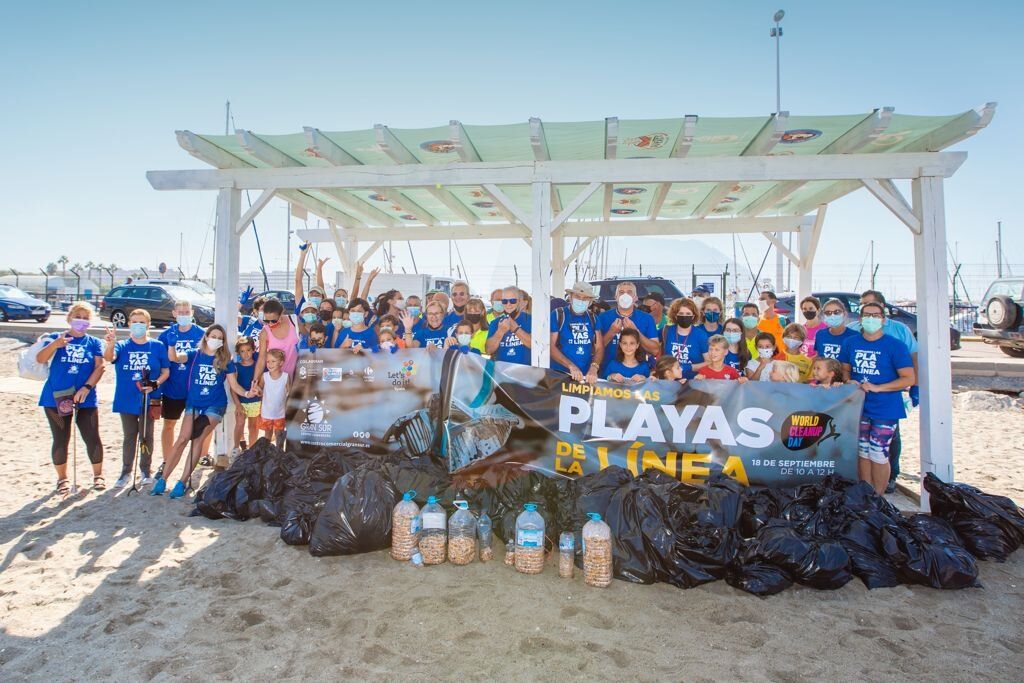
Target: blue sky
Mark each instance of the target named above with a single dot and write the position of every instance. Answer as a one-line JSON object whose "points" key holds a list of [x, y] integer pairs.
{"points": [[93, 95]]}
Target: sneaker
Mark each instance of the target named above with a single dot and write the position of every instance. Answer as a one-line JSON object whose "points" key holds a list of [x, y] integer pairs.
{"points": [[147, 479], [122, 481], [159, 487], [890, 487], [178, 491]]}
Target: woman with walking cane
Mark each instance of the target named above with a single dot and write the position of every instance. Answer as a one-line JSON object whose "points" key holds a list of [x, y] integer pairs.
{"points": [[69, 396], [137, 361]]}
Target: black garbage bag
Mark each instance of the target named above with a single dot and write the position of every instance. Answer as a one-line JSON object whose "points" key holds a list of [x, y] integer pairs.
{"points": [[973, 513], [297, 525], [702, 552], [862, 540], [758, 578], [760, 506], [306, 490], [229, 493], [356, 517], [818, 563], [424, 474], [935, 564]]}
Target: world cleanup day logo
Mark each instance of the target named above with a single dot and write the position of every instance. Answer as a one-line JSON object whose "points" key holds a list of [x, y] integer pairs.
{"points": [[805, 429]]}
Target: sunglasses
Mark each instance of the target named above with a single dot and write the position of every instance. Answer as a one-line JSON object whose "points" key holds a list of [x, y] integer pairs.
{"points": [[510, 301], [268, 321]]}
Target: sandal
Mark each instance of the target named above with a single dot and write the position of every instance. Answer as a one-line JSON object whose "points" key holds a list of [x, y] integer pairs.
{"points": [[99, 483], [63, 487], [206, 461]]}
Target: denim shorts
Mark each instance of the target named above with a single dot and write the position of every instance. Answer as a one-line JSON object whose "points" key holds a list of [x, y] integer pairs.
{"points": [[213, 413]]}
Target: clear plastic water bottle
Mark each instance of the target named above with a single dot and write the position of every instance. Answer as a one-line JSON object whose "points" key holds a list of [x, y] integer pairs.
{"points": [[597, 552], [405, 527], [566, 555], [434, 535], [461, 534], [529, 540], [484, 533]]}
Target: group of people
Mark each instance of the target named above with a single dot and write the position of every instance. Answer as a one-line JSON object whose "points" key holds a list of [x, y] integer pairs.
{"points": [[188, 378]]}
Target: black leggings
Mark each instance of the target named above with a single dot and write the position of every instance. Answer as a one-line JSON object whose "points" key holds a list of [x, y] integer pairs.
{"points": [[88, 426], [131, 425]]}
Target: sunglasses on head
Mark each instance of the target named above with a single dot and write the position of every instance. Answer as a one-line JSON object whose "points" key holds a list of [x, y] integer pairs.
{"points": [[510, 301]]}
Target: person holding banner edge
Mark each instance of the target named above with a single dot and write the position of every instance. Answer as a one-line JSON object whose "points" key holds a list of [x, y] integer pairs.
{"points": [[576, 347]]}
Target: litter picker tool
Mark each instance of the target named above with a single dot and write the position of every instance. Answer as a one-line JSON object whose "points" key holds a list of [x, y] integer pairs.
{"points": [[140, 445]]}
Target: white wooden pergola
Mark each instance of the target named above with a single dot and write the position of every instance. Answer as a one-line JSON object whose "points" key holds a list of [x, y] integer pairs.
{"points": [[545, 200]]}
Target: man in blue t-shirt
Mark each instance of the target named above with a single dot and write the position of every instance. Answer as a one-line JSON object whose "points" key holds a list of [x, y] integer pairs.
{"points": [[893, 328], [576, 347], [627, 315], [829, 342], [508, 336], [182, 337], [882, 365]]}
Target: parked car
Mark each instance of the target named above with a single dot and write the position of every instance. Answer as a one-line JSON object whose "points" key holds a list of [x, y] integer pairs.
{"points": [[644, 286], [17, 305], [158, 300], [1001, 316], [284, 296], [784, 307], [204, 290]]}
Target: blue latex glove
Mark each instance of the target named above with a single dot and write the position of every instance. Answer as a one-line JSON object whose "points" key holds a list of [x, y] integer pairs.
{"points": [[245, 296], [303, 246], [915, 396]]}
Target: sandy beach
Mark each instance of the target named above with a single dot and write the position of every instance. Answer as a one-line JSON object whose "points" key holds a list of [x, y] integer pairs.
{"points": [[109, 586]]}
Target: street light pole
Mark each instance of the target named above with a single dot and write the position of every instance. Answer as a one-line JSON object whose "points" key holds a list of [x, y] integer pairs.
{"points": [[776, 33]]}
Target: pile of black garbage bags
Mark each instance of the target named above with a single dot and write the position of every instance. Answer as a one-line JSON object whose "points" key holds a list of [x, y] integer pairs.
{"points": [[758, 539]]}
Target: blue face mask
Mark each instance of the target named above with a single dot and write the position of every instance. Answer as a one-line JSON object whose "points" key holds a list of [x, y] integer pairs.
{"points": [[315, 300], [497, 306], [414, 311], [750, 321], [871, 325], [138, 330], [733, 337], [579, 307], [346, 324], [356, 317], [309, 318], [341, 301], [183, 320], [835, 320], [712, 316]]}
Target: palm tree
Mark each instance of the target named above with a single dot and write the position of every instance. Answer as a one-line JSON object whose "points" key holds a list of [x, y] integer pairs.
{"points": [[89, 267], [63, 261]]}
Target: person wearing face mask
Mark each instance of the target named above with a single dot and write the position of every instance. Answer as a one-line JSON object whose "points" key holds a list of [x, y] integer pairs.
{"points": [[140, 368], [497, 308], [359, 336], [326, 316], [462, 338], [339, 322], [893, 328], [387, 342], [389, 324], [316, 293], [476, 316], [711, 315], [433, 333], [211, 375], [307, 316], [739, 353], [460, 297], [278, 333], [770, 321], [768, 354], [624, 316], [829, 342], [794, 338], [683, 338], [508, 336], [576, 347], [882, 366], [76, 366], [750, 316], [414, 312], [390, 302], [255, 324], [315, 339], [182, 337], [654, 303], [810, 309]]}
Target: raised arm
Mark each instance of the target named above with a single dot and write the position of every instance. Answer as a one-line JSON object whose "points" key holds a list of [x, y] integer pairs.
{"points": [[320, 272], [369, 282], [108, 347], [300, 266]]}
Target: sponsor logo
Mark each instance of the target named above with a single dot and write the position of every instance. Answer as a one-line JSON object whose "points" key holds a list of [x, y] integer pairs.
{"points": [[791, 137], [649, 141], [333, 374], [368, 374], [805, 429], [316, 418]]}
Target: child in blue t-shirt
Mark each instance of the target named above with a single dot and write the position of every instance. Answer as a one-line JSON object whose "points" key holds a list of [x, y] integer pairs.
{"points": [[882, 366], [463, 335], [247, 410], [628, 367]]}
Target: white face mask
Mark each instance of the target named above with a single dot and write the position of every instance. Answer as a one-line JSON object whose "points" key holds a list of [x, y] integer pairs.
{"points": [[765, 353], [625, 300], [464, 339], [698, 300], [791, 343], [387, 345], [399, 303], [214, 344]]}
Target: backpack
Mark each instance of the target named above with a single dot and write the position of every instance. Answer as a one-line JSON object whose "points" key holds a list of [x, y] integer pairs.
{"points": [[29, 367]]}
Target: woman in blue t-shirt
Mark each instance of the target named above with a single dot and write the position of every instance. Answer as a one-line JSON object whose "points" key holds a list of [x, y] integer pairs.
{"points": [[432, 334], [140, 368], [76, 365], [683, 339], [358, 336], [211, 375], [883, 368]]}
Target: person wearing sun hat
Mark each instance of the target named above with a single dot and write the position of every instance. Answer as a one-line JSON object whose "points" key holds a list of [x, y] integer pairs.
{"points": [[576, 347]]}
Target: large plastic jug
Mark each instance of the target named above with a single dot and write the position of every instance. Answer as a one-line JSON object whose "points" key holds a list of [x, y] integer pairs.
{"points": [[461, 534], [529, 540], [434, 535], [405, 527], [597, 552]]}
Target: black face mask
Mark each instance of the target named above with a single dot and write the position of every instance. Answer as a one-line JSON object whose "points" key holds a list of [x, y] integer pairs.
{"points": [[684, 321], [811, 314], [326, 316], [473, 317]]}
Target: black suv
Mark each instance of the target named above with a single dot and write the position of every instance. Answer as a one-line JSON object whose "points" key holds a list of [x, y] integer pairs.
{"points": [[1001, 317], [283, 295], [644, 286], [784, 307], [158, 300]]}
